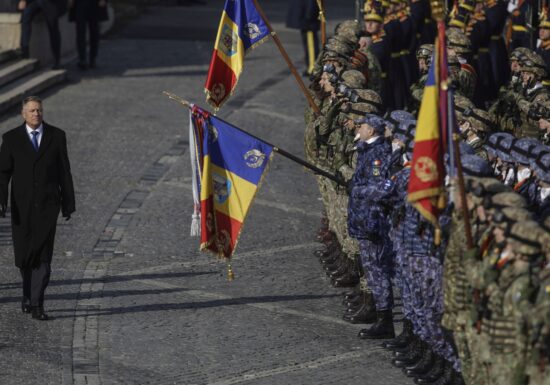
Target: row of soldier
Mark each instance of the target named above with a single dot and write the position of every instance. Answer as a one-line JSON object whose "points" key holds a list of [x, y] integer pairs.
{"points": [[475, 315]]}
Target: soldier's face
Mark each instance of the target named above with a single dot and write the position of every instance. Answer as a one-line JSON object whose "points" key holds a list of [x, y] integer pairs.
{"points": [[514, 66], [544, 125], [32, 113], [544, 34], [499, 234], [372, 26], [422, 65], [527, 78], [325, 83]]}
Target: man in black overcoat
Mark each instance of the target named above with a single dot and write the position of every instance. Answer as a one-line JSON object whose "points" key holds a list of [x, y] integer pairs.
{"points": [[33, 157], [51, 9]]}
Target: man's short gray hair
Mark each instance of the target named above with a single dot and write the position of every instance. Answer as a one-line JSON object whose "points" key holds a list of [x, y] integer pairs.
{"points": [[29, 99]]}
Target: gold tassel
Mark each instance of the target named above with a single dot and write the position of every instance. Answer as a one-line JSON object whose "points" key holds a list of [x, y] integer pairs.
{"points": [[441, 203], [230, 275], [437, 237]]}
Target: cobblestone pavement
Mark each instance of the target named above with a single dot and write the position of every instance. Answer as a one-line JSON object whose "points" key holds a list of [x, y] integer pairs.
{"points": [[133, 301]]}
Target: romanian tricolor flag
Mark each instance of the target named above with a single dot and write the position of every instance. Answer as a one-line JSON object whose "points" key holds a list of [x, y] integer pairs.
{"points": [[230, 164], [426, 191], [241, 29]]}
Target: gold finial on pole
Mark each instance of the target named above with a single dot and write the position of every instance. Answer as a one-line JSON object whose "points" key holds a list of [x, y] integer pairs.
{"points": [[438, 10], [230, 274]]}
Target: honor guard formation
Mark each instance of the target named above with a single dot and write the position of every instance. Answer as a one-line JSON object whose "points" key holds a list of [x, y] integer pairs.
{"points": [[474, 315]]}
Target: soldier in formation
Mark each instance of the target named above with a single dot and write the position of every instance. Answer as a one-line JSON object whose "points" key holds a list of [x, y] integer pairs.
{"points": [[474, 313]]}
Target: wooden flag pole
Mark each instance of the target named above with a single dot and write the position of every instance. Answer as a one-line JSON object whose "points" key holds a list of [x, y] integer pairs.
{"points": [[323, 19], [293, 69], [286, 154]]}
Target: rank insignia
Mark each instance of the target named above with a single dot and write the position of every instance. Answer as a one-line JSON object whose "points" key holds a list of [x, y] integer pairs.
{"points": [[376, 167]]}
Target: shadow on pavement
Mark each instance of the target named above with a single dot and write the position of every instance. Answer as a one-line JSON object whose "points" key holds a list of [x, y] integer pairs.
{"points": [[201, 305]]}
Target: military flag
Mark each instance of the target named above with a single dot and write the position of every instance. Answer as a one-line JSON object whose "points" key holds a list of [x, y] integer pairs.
{"points": [[231, 164], [426, 191], [241, 29]]}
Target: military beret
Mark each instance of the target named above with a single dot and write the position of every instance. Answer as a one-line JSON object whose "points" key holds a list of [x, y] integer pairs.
{"points": [[535, 152], [541, 166], [375, 122], [521, 150], [473, 165], [524, 237]]}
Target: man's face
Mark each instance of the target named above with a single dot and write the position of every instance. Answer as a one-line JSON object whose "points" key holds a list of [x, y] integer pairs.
{"points": [[527, 77], [32, 114], [514, 66], [372, 26], [544, 34], [499, 234], [364, 131], [422, 65], [544, 125], [325, 83]]}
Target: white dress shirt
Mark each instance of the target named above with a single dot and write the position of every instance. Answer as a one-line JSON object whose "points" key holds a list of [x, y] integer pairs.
{"points": [[40, 130]]}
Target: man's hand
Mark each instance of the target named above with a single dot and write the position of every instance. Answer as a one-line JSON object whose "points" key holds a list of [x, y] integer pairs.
{"points": [[22, 5]]}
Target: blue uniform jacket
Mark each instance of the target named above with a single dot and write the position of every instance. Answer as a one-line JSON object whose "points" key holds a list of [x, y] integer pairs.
{"points": [[366, 216]]}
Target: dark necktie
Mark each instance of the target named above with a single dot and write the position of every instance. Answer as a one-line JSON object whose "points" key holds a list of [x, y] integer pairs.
{"points": [[35, 139]]}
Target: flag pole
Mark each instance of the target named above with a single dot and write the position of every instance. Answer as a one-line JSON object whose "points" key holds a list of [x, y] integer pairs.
{"points": [[286, 154], [293, 69], [323, 19]]}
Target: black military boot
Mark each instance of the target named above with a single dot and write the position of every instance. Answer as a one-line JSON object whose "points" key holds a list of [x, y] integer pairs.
{"points": [[365, 314], [341, 270], [434, 374], [352, 296], [424, 365], [337, 264], [412, 356], [382, 328], [403, 339]]}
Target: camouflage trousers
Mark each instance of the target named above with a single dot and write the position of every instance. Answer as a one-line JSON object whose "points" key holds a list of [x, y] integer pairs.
{"points": [[424, 276], [399, 268], [478, 371], [377, 261], [350, 246]]}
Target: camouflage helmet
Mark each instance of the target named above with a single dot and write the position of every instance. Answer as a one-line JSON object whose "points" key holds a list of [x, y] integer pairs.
{"points": [[506, 217], [353, 79], [533, 63], [505, 199], [458, 41], [334, 56], [349, 29], [461, 104], [518, 53], [370, 97], [339, 45], [480, 119], [359, 110], [425, 51], [524, 238]]}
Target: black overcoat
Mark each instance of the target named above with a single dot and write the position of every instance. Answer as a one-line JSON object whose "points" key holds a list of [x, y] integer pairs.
{"points": [[303, 15], [41, 186]]}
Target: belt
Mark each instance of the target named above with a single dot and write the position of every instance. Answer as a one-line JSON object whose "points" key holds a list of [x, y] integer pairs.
{"points": [[496, 37], [519, 28]]}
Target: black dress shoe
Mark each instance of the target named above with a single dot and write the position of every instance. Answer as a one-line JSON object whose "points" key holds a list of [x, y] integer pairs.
{"points": [[26, 308], [38, 314]]}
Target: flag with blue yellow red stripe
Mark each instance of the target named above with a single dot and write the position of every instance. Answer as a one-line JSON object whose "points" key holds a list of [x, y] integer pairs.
{"points": [[241, 29], [232, 166]]}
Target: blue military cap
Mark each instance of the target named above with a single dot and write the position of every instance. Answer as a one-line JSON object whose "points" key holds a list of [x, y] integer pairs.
{"points": [[374, 121], [398, 116], [466, 149], [521, 150], [473, 165], [404, 130], [504, 147], [542, 167], [535, 152], [493, 140]]}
